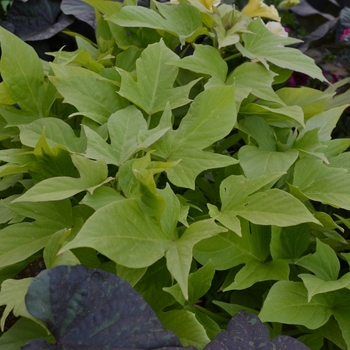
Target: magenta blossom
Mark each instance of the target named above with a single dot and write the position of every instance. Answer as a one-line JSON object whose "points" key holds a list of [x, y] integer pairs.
{"points": [[345, 33]]}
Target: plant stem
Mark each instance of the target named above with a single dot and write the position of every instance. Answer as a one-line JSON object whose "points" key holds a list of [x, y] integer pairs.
{"points": [[229, 58]]}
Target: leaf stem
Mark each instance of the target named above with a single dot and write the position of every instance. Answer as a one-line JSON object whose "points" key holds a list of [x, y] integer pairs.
{"points": [[229, 58]]}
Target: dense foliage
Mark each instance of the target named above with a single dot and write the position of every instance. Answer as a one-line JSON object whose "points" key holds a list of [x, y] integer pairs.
{"points": [[172, 154]]}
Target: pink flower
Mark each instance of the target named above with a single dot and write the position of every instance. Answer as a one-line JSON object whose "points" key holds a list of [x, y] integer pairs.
{"points": [[345, 33]]}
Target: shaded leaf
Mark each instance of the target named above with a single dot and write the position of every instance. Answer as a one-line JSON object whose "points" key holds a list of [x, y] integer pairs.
{"points": [[92, 175]]}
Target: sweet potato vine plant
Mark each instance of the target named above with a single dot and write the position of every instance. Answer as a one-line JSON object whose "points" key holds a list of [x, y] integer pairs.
{"points": [[171, 155]]}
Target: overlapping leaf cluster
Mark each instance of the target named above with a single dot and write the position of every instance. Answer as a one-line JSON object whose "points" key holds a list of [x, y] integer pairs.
{"points": [[171, 154]]}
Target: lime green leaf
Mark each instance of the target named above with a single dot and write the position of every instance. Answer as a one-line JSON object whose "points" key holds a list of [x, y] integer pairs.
{"points": [[5, 98], [287, 303], [20, 63], [155, 79], [324, 184], [199, 283], [106, 7], [179, 256], [52, 248], [325, 122], [92, 95], [205, 60], [57, 132], [271, 207], [125, 234], [21, 333], [311, 101], [256, 162], [92, 175], [257, 271], [20, 241], [341, 312], [260, 130], [266, 46], [182, 20], [125, 128], [225, 250], [289, 242], [186, 326], [12, 295], [211, 117], [309, 143], [101, 196], [324, 263], [279, 116], [253, 75], [315, 285], [56, 214]]}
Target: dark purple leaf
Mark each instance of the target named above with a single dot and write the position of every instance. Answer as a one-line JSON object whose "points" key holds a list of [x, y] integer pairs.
{"points": [[284, 342], [80, 10], [92, 309], [318, 34], [246, 332], [305, 9], [36, 19]]}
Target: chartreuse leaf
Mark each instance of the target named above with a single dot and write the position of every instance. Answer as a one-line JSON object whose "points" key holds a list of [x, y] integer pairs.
{"points": [[179, 255], [20, 241], [51, 162], [282, 116], [185, 324], [326, 266], [106, 7], [257, 271], [309, 143], [125, 234], [254, 77], [211, 117], [205, 60], [254, 244], [21, 333], [154, 86], [12, 295], [199, 283], [92, 175], [125, 128], [19, 62], [57, 132], [311, 101], [53, 246], [287, 303], [271, 207], [289, 242], [257, 162], [182, 20], [92, 95], [325, 122], [268, 47], [5, 97], [102, 196], [324, 184], [258, 128], [324, 263], [52, 297]]}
